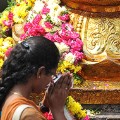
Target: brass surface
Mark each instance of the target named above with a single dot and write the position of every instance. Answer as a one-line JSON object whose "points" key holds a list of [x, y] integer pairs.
{"points": [[97, 92], [92, 92], [101, 39], [102, 71], [94, 5]]}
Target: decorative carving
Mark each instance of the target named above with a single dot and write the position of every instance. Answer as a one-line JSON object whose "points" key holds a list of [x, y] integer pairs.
{"points": [[101, 38]]}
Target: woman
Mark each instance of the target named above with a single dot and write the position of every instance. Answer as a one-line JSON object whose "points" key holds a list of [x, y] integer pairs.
{"points": [[30, 68]]}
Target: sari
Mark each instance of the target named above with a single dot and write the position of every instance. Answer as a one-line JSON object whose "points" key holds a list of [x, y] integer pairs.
{"points": [[33, 113]]}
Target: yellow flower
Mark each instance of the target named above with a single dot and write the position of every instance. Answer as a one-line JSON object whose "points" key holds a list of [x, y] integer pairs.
{"points": [[1, 62], [20, 12], [77, 68], [29, 3], [10, 39], [1, 21], [18, 1], [4, 17], [4, 45], [1, 41], [1, 54], [4, 28], [77, 82], [32, 1]]}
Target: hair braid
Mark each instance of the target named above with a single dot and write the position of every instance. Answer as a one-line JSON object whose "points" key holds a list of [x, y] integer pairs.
{"points": [[13, 71]]}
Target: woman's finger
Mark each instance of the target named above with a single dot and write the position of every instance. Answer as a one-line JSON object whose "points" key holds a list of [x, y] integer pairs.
{"points": [[65, 81], [50, 89], [58, 84], [70, 82]]}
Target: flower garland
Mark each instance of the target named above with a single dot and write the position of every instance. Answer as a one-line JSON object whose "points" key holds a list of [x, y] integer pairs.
{"points": [[5, 48], [15, 13], [51, 20], [75, 108]]}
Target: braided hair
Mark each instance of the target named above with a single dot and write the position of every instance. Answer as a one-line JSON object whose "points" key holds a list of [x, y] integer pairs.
{"points": [[24, 61]]}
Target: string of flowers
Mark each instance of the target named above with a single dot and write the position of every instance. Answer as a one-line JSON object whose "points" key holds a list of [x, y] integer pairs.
{"points": [[15, 13], [51, 20], [76, 109]]}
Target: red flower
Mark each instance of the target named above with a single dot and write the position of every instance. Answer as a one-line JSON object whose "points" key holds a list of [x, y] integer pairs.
{"points": [[45, 10], [7, 53], [48, 25], [64, 17], [37, 19], [48, 116], [7, 23], [86, 118], [10, 16]]}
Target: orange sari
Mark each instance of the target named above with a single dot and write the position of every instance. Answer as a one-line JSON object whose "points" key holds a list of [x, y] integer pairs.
{"points": [[28, 114]]}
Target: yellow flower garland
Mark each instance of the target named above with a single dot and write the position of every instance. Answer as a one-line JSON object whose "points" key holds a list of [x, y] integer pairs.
{"points": [[75, 108], [65, 66], [20, 10], [5, 43]]}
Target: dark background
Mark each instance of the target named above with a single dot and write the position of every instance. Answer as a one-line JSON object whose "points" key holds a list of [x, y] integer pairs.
{"points": [[3, 5]]}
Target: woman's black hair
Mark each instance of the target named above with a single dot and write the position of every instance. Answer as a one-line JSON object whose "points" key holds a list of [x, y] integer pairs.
{"points": [[24, 61]]}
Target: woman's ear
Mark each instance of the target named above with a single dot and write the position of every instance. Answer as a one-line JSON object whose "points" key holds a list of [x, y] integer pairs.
{"points": [[41, 71]]}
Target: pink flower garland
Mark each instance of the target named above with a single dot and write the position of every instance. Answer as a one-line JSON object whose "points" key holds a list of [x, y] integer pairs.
{"points": [[66, 35]]}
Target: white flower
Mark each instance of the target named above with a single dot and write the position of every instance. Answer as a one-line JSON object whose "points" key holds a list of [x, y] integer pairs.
{"points": [[53, 6], [54, 1], [36, 9], [62, 47], [63, 8], [31, 16], [57, 21], [70, 57], [55, 28], [38, 6]]}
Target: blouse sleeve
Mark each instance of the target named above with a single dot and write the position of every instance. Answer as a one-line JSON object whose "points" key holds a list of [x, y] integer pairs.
{"points": [[32, 114]]}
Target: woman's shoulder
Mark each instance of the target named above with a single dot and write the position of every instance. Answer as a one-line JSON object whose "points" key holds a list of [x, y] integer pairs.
{"points": [[12, 103], [18, 100]]}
